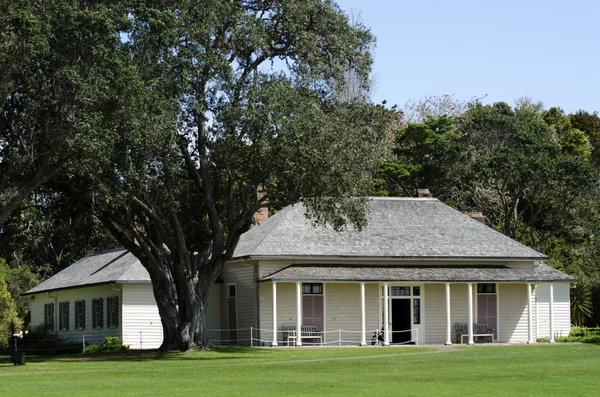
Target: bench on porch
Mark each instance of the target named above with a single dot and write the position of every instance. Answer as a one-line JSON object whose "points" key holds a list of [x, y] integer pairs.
{"points": [[479, 330], [307, 332]]}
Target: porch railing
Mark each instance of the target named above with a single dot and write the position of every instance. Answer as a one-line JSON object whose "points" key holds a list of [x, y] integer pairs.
{"points": [[256, 337]]}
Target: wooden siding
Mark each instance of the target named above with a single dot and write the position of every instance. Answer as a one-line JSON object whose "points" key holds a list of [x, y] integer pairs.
{"points": [[142, 328], [562, 310], [434, 313], [242, 275], [343, 312], [92, 336], [512, 314]]}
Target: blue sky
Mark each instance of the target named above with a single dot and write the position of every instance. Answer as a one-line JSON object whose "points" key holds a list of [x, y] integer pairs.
{"points": [[546, 50]]}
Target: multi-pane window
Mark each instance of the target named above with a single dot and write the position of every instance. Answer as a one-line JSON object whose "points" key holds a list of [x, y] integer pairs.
{"points": [[417, 311], [97, 313], [488, 288], [63, 316], [112, 311], [80, 315], [312, 288], [400, 291], [49, 316]]}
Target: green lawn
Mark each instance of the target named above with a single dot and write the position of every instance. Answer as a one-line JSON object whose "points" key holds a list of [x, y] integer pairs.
{"points": [[541, 370]]}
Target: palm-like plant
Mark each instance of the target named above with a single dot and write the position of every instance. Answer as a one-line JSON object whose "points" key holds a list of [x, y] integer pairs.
{"points": [[581, 303]]}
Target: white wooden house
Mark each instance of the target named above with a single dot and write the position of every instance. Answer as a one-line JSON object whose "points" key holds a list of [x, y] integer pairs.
{"points": [[416, 270], [107, 294], [419, 266]]}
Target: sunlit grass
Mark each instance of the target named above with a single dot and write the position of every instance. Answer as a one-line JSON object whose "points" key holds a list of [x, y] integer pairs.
{"points": [[479, 370]]}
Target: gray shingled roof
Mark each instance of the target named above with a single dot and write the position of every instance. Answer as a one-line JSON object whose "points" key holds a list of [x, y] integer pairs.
{"points": [[483, 273], [114, 266], [397, 228]]}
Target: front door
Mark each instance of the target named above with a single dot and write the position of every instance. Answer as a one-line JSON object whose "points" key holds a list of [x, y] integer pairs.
{"points": [[401, 320]]}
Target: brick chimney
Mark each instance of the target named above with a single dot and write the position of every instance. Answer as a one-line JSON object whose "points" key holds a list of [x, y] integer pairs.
{"points": [[478, 216], [263, 213], [424, 193]]}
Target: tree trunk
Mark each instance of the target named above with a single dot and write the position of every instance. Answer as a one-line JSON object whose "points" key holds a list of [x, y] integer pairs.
{"points": [[183, 319]]}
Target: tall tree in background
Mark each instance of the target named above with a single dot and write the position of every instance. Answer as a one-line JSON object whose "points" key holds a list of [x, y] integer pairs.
{"points": [[189, 116], [56, 66]]}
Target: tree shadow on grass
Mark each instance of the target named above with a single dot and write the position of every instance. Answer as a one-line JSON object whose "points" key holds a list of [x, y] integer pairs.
{"points": [[223, 353]]}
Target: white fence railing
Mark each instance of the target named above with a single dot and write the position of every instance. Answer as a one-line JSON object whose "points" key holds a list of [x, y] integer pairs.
{"points": [[256, 337]]}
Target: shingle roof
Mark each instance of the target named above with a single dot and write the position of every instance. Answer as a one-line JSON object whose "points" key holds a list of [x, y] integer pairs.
{"points": [[397, 228], [114, 266], [483, 273]]}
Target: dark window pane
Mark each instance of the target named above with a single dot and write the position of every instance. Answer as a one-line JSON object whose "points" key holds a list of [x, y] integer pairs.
{"points": [[416, 291], [417, 311], [232, 291], [488, 288], [312, 288]]}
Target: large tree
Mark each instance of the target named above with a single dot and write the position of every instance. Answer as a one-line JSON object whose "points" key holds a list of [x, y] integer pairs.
{"points": [[58, 65], [205, 104]]}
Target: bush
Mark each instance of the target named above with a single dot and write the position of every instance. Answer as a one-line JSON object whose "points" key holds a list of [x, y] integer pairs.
{"points": [[591, 339], [40, 340], [110, 344]]}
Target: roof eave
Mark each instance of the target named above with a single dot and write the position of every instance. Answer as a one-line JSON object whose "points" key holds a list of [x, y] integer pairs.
{"points": [[43, 291]]}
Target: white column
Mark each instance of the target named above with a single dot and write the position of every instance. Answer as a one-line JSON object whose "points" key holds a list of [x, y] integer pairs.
{"points": [[448, 322], [470, 286], [298, 314], [529, 315], [363, 316], [386, 316], [274, 285], [551, 309]]}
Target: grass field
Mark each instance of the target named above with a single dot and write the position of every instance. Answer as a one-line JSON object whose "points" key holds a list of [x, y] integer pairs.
{"points": [[541, 370]]}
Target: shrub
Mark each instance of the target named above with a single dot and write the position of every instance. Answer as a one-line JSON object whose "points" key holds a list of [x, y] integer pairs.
{"points": [[542, 340], [110, 344], [40, 340], [591, 339]]}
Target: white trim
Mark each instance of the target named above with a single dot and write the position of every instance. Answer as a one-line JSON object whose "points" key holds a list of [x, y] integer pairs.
{"points": [[551, 312], [274, 308], [470, 306], [363, 316], [529, 315], [299, 313], [386, 315], [448, 315]]}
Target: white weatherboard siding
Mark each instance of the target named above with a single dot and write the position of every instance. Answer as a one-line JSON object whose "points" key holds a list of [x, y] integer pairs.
{"points": [[72, 295], [342, 311], [242, 275], [213, 313], [434, 313], [562, 310], [512, 314], [286, 309], [459, 306], [142, 328]]}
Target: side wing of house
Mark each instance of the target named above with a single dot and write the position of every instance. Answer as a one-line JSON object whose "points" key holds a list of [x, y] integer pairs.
{"points": [[78, 314], [142, 328]]}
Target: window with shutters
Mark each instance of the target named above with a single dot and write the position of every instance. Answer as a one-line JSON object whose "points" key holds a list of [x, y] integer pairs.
{"points": [[63, 316], [112, 312], [97, 313], [80, 315], [49, 316]]}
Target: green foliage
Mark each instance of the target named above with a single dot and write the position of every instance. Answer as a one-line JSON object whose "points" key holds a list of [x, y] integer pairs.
{"points": [[581, 303], [40, 340], [110, 344], [10, 322], [18, 281]]}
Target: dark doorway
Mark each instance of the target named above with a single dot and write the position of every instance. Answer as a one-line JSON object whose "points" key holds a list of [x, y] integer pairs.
{"points": [[401, 320]]}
